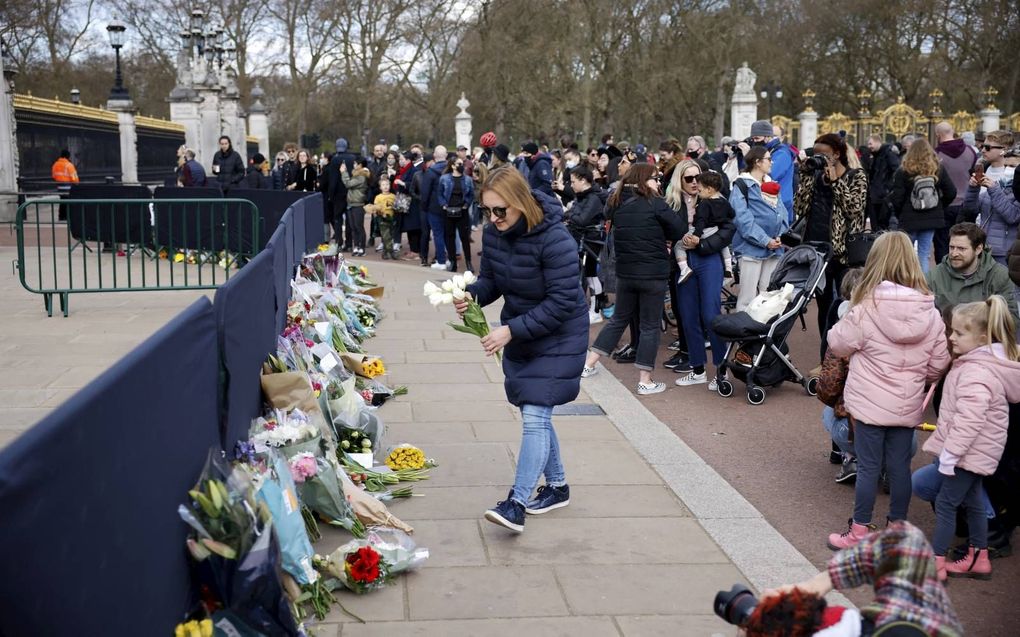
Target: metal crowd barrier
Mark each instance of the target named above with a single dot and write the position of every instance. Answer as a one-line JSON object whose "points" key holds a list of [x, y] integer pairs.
{"points": [[70, 246]]}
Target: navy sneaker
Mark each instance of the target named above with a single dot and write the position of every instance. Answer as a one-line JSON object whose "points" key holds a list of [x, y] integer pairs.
{"points": [[508, 513], [548, 498]]}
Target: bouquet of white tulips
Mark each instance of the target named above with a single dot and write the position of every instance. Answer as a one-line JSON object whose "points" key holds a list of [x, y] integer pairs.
{"points": [[455, 289]]}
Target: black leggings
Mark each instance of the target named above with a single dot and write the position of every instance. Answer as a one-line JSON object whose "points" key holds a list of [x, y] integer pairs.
{"points": [[451, 227], [356, 226]]}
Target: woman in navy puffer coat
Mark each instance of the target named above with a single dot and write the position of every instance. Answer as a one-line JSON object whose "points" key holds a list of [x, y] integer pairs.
{"points": [[530, 260]]}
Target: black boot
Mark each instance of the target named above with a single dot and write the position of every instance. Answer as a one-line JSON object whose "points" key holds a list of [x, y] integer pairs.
{"points": [[468, 267]]}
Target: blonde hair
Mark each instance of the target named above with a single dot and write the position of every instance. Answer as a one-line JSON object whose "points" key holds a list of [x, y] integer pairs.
{"points": [[892, 258], [852, 159], [674, 192], [991, 318], [511, 188], [921, 160]]}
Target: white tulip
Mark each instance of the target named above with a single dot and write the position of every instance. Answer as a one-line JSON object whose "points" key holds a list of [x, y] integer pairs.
{"points": [[447, 298], [436, 299], [448, 286], [469, 278], [458, 282], [459, 294], [431, 288]]}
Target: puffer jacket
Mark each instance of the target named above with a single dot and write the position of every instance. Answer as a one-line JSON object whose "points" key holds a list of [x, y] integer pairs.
{"points": [[357, 186], [974, 414], [642, 231], [1000, 215], [536, 273], [896, 342]]}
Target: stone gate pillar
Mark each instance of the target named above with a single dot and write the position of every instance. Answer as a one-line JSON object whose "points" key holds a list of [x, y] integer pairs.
{"points": [[462, 122], [744, 104], [125, 110], [8, 145], [258, 121], [990, 113], [808, 121]]}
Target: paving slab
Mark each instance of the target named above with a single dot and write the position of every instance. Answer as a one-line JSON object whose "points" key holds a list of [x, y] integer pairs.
{"points": [[568, 428], [469, 411], [547, 627], [478, 464], [451, 542], [485, 592]]}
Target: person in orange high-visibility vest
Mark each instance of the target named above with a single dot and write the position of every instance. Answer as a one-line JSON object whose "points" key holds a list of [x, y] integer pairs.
{"points": [[63, 170]]}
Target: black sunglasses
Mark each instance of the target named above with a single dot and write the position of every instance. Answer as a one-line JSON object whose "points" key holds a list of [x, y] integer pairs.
{"points": [[500, 212], [990, 147], [690, 179]]}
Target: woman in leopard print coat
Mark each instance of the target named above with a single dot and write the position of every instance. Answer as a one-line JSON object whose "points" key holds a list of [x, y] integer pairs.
{"points": [[833, 201]]}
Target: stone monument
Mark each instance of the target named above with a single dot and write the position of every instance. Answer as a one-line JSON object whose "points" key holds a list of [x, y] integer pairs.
{"points": [[258, 120], [8, 140], [462, 122], [808, 121], [744, 105]]}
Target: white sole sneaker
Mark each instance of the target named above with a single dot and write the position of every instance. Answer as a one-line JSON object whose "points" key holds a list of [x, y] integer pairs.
{"points": [[594, 317], [496, 518], [691, 378], [654, 388], [588, 372]]}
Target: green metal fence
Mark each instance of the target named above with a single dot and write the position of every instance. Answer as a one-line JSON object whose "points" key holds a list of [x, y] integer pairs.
{"points": [[70, 246]]}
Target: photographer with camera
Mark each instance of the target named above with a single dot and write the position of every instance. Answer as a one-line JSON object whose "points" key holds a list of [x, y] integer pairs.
{"points": [[897, 562], [831, 200]]}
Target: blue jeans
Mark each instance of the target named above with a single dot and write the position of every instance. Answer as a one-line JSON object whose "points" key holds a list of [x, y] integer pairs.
{"points": [[875, 443], [540, 453], [924, 239], [839, 430], [438, 225], [700, 302], [927, 481]]}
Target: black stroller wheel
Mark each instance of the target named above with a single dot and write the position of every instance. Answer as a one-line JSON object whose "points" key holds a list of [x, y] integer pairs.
{"points": [[724, 388], [812, 386], [755, 395]]}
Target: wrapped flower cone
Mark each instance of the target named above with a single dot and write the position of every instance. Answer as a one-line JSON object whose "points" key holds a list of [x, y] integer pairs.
{"points": [[369, 510]]}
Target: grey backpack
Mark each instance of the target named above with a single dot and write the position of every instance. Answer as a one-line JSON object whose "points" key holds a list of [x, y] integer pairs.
{"points": [[925, 194]]}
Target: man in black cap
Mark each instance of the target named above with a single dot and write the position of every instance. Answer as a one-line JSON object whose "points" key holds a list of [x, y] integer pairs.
{"points": [[502, 154], [536, 167], [462, 155]]}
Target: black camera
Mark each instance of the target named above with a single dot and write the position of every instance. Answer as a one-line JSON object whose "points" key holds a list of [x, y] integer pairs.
{"points": [[815, 163], [735, 605]]}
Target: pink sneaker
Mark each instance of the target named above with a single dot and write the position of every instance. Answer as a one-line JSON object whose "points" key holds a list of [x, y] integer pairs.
{"points": [[854, 534], [975, 564]]}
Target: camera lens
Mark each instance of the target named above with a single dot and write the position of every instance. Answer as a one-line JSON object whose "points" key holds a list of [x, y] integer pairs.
{"points": [[735, 605]]}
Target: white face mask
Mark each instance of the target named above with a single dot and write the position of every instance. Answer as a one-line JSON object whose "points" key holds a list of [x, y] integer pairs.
{"points": [[571, 163]]}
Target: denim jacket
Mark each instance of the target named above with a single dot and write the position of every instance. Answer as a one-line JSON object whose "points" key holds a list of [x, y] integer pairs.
{"points": [[758, 222], [446, 189]]}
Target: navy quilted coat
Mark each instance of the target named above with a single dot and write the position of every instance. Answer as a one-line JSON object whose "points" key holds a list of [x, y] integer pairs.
{"points": [[536, 273]]}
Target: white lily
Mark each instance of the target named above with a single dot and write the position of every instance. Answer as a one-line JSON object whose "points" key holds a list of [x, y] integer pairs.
{"points": [[448, 286], [448, 298], [469, 278], [436, 299], [431, 288], [458, 282], [459, 294]]}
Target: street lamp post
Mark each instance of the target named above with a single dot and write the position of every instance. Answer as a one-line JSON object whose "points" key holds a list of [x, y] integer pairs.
{"points": [[768, 92], [116, 30], [75, 96]]}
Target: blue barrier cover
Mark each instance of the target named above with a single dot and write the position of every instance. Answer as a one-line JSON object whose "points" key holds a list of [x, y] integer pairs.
{"points": [[92, 543], [315, 220], [283, 272], [245, 309]]}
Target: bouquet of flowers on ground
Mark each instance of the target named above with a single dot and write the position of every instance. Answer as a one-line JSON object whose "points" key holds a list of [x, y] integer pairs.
{"points": [[369, 564], [291, 433], [408, 457], [322, 491], [236, 552], [455, 289]]}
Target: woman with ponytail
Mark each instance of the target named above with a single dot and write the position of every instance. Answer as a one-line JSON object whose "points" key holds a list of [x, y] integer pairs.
{"points": [[972, 426]]}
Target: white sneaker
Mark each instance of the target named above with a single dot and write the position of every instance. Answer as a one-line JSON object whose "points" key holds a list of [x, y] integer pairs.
{"points": [[713, 385], [396, 246], [588, 372], [685, 272], [438, 266], [653, 388], [690, 378], [378, 248], [594, 317]]}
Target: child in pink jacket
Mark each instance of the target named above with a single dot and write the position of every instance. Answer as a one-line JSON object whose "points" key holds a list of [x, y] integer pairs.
{"points": [[896, 342], [971, 432]]}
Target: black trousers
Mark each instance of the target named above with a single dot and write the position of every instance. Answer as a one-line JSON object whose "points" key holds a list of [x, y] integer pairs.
{"points": [[641, 299], [426, 232], [339, 218], [942, 234], [356, 227], [452, 226], [828, 302]]}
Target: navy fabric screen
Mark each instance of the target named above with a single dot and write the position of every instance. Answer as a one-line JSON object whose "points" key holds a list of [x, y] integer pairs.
{"points": [[283, 272], [92, 543], [293, 257], [315, 215], [297, 226], [246, 324], [272, 205]]}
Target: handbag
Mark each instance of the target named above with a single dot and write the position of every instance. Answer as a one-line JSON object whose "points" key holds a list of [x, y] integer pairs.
{"points": [[454, 212], [858, 245], [795, 235]]}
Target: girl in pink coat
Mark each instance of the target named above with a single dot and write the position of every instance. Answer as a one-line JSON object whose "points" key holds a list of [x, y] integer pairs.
{"points": [[896, 342], [971, 432]]}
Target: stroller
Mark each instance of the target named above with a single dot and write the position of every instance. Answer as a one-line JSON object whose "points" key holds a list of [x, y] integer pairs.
{"points": [[757, 353]]}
